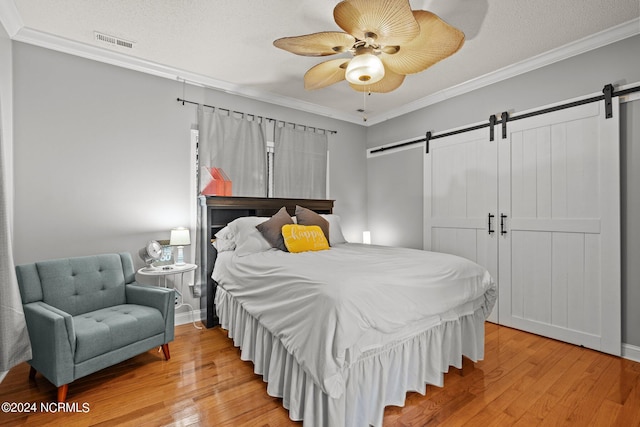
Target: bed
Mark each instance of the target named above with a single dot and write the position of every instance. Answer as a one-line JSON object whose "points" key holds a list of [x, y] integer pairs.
{"points": [[342, 332]]}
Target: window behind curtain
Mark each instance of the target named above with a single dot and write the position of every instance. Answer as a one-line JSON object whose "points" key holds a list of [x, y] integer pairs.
{"points": [[300, 164], [236, 145]]}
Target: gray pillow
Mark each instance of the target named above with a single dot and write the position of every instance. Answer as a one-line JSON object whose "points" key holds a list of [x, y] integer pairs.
{"points": [[308, 217], [272, 229]]}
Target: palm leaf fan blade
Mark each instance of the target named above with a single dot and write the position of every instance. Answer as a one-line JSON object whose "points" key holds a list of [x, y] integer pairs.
{"points": [[391, 21], [325, 73], [437, 41], [317, 44]]}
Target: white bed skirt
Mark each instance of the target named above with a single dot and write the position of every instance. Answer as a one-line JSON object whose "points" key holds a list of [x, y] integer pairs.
{"points": [[377, 379]]}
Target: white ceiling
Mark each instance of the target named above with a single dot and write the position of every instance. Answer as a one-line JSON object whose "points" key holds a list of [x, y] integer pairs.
{"points": [[227, 44]]}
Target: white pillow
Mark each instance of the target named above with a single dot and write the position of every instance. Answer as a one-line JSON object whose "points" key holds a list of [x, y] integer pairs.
{"points": [[225, 240], [335, 231], [247, 237]]}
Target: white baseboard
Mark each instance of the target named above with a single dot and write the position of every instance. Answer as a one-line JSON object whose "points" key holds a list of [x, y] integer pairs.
{"points": [[188, 316], [631, 352]]}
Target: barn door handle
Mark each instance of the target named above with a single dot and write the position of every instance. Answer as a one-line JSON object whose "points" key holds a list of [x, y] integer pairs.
{"points": [[491, 216], [503, 230]]}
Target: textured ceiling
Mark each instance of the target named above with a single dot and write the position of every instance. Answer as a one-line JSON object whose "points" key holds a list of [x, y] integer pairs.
{"points": [[230, 41]]}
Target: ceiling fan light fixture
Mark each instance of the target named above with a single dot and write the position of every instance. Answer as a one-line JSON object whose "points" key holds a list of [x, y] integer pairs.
{"points": [[365, 69], [388, 40]]}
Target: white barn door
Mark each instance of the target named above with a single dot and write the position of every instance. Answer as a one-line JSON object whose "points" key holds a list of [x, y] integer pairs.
{"points": [[552, 187], [559, 251], [460, 193]]}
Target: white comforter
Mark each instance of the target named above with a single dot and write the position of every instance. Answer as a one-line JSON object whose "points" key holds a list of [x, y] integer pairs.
{"points": [[319, 304]]}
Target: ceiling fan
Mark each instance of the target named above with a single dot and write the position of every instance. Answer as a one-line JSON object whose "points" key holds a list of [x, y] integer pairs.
{"points": [[387, 40]]}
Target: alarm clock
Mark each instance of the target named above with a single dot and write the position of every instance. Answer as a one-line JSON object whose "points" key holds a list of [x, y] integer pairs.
{"points": [[150, 253]]}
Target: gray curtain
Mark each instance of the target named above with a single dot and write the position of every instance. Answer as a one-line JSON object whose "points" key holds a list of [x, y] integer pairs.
{"points": [[236, 145], [300, 164], [239, 147], [15, 346]]}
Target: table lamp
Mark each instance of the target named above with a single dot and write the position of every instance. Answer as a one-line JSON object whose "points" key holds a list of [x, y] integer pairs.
{"points": [[180, 238]]}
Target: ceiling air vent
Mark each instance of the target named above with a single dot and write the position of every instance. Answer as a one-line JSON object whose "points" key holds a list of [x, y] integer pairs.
{"points": [[105, 38]]}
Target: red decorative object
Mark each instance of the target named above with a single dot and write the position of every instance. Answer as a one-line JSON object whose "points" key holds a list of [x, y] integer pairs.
{"points": [[214, 182]]}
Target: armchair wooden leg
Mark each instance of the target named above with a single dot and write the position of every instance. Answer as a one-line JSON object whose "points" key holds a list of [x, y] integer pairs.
{"points": [[165, 350], [32, 373], [62, 392]]}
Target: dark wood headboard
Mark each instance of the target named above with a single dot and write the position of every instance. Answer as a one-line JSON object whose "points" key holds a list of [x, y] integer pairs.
{"points": [[220, 211]]}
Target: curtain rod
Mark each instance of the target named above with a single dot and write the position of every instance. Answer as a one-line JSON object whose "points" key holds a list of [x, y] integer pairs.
{"points": [[255, 115]]}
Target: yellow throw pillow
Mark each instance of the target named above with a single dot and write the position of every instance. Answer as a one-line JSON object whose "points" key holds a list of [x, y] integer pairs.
{"points": [[301, 238]]}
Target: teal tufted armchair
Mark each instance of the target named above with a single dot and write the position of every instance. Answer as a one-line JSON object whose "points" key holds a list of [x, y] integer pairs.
{"points": [[87, 313]]}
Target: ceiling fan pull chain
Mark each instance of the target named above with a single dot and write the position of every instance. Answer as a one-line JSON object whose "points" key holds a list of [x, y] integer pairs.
{"points": [[364, 105]]}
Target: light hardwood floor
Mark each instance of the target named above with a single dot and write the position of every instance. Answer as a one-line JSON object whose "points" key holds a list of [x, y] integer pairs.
{"points": [[525, 380]]}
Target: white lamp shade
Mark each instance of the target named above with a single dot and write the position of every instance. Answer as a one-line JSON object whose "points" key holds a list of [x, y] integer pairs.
{"points": [[180, 237], [364, 69]]}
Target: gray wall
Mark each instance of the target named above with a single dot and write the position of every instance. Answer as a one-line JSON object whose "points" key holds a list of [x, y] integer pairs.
{"points": [[581, 75], [395, 182], [618, 64], [102, 156]]}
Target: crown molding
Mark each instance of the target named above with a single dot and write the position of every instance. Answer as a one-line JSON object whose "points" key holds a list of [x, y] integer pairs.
{"points": [[12, 22], [10, 18], [603, 38], [112, 57]]}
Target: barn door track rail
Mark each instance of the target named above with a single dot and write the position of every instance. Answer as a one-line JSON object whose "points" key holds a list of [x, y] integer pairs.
{"points": [[608, 92]]}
